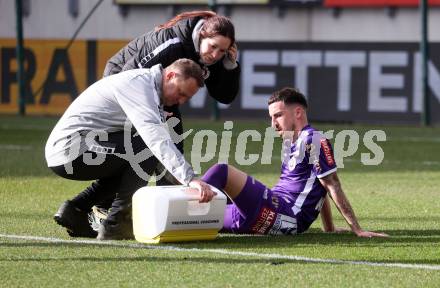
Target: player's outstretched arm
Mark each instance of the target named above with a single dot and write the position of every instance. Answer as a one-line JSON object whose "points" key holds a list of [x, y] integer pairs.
{"points": [[333, 186], [327, 219], [326, 216]]}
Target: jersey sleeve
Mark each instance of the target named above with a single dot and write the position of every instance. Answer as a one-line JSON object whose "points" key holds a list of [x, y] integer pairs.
{"points": [[322, 157], [156, 48], [124, 58]]}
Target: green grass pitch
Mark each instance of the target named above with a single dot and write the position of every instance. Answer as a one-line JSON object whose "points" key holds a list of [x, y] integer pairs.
{"points": [[401, 197]]}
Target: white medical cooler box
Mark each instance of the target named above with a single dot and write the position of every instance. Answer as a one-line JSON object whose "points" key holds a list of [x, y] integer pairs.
{"points": [[173, 214]]}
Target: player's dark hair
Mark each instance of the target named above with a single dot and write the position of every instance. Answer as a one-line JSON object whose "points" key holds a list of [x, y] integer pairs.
{"points": [[289, 96], [214, 24]]}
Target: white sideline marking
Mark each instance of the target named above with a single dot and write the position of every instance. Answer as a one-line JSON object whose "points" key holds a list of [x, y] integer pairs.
{"points": [[17, 126], [415, 139], [15, 147], [352, 160], [224, 252]]}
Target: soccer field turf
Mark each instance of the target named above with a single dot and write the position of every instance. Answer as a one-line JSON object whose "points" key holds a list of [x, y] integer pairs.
{"points": [[400, 197]]}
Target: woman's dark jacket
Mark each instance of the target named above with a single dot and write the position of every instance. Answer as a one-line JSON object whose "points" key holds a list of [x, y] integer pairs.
{"points": [[166, 46]]}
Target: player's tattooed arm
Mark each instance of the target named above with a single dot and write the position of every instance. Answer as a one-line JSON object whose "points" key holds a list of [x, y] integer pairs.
{"points": [[333, 186], [327, 218]]}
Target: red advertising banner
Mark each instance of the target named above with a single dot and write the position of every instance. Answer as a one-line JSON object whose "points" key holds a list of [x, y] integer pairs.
{"points": [[377, 3]]}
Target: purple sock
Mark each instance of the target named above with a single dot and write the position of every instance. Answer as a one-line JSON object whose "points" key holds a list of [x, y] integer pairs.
{"points": [[217, 176]]}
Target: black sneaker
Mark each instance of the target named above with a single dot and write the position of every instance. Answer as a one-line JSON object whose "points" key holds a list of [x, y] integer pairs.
{"points": [[74, 220], [117, 227]]}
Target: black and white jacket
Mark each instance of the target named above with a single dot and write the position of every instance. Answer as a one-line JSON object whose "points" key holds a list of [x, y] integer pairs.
{"points": [[166, 46], [109, 105]]}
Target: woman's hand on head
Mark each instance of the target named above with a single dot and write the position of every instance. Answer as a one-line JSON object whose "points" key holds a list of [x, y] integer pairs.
{"points": [[232, 53]]}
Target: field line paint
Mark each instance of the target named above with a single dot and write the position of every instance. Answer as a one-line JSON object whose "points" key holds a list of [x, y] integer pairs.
{"points": [[415, 139], [15, 147], [18, 126], [352, 160], [222, 252]]}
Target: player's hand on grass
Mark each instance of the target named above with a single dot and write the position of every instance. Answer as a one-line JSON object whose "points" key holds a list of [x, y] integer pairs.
{"points": [[337, 230], [206, 194], [369, 234]]}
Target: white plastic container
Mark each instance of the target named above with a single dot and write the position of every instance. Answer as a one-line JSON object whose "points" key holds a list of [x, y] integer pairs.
{"points": [[173, 213]]}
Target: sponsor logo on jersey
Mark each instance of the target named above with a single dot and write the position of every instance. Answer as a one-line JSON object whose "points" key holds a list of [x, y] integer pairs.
{"points": [[292, 163], [327, 152], [265, 220], [284, 225]]}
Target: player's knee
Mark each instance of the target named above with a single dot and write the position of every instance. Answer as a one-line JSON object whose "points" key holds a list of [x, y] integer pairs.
{"points": [[221, 169], [217, 175]]}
